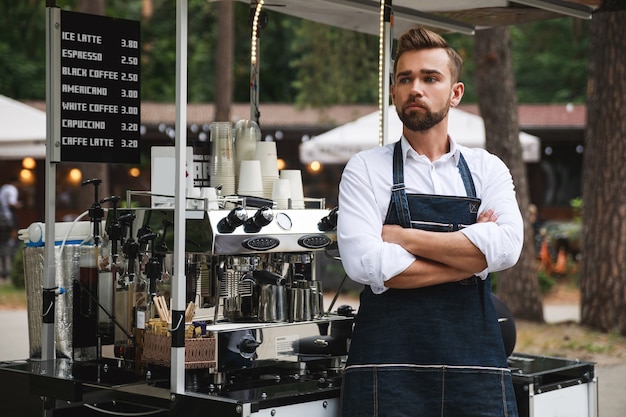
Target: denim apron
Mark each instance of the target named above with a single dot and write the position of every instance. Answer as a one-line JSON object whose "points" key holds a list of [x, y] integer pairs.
{"points": [[434, 351]]}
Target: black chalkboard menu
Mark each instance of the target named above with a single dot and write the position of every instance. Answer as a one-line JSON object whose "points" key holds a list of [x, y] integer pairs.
{"points": [[100, 89]]}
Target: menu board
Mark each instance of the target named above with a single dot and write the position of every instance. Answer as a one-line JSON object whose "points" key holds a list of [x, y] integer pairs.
{"points": [[100, 89]]}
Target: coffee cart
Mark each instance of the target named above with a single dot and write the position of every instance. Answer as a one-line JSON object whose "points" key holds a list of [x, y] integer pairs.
{"points": [[240, 327]]}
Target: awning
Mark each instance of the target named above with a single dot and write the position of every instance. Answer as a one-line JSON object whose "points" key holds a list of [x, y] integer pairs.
{"points": [[22, 132], [363, 15]]}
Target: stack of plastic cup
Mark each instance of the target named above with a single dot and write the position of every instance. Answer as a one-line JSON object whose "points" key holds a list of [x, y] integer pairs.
{"points": [[223, 158], [266, 154], [295, 184], [247, 134], [281, 193], [250, 179]]}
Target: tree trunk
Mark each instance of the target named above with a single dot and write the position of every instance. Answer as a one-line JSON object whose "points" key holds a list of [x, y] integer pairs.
{"points": [[518, 287], [224, 61], [147, 9], [91, 6], [603, 282]]}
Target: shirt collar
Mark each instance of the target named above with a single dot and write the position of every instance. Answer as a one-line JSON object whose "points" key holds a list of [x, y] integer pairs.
{"points": [[455, 152]]}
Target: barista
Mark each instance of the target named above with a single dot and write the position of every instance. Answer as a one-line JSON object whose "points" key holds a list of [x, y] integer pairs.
{"points": [[426, 339]]}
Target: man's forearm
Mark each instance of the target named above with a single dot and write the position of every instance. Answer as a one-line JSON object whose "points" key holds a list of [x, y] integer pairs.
{"points": [[424, 273], [452, 249]]}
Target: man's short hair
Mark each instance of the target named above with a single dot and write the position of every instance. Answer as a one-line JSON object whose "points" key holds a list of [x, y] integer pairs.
{"points": [[419, 38]]}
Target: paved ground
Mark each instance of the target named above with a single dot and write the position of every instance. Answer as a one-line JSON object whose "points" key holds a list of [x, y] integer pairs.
{"points": [[612, 379]]}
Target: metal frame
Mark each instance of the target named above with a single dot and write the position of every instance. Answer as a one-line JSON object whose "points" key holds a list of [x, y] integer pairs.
{"points": [[562, 7]]}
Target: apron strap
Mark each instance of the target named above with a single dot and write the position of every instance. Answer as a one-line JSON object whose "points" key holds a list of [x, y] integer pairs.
{"points": [[398, 193], [398, 190], [466, 175]]}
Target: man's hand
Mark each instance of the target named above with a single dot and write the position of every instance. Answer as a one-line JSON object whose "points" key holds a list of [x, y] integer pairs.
{"points": [[487, 216], [397, 234], [392, 233]]}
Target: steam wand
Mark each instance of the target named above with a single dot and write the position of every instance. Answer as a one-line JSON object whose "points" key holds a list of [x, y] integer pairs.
{"points": [[96, 213], [154, 267], [130, 247], [114, 229]]}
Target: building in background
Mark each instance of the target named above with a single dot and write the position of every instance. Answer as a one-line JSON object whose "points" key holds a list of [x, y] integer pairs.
{"points": [[554, 181]]}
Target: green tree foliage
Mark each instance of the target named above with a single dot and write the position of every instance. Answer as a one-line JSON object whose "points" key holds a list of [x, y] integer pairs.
{"points": [[550, 59], [464, 45], [275, 73], [334, 65], [22, 49], [301, 62], [159, 54]]}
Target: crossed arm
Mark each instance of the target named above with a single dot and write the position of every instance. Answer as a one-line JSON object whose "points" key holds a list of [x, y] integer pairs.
{"points": [[441, 257]]}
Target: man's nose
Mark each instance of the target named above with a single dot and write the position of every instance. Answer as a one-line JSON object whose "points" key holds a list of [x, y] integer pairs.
{"points": [[417, 88]]}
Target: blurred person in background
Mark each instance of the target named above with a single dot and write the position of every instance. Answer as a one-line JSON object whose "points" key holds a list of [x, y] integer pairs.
{"points": [[9, 203]]}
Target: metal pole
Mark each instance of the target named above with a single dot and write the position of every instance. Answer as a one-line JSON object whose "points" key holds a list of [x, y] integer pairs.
{"points": [[178, 287], [254, 87], [53, 129], [386, 39], [254, 60]]}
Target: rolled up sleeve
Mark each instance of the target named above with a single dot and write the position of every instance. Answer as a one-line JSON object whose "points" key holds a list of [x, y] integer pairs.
{"points": [[365, 257], [501, 241]]}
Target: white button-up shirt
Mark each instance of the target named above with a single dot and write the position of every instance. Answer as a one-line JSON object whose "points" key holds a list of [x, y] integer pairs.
{"points": [[365, 195]]}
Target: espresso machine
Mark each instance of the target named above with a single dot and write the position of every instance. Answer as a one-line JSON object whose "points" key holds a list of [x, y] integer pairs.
{"points": [[258, 300]]}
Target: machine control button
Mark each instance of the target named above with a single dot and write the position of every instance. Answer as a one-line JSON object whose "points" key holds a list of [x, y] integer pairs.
{"points": [[261, 243], [314, 241]]}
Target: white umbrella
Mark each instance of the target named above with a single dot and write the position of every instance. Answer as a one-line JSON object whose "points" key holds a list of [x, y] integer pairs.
{"points": [[22, 130], [337, 145]]}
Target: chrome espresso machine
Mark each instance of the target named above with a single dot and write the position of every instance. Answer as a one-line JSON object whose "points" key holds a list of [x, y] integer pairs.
{"points": [[259, 339], [258, 330]]}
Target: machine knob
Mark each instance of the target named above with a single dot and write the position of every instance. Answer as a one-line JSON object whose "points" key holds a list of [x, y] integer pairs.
{"points": [[235, 218], [247, 346], [261, 218], [329, 222], [345, 310]]}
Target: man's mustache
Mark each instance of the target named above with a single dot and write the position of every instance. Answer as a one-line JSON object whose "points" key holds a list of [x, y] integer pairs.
{"points": [[413, 101]]}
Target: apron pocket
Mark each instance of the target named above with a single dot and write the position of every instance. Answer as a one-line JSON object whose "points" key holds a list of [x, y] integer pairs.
{"points": [[432, 226]]}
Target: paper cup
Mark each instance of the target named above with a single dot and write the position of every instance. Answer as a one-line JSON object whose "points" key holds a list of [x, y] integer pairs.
{"points": [[281, 193], [210, 195], [193, 199], [295, 182], [268, 186], [250, 182], [266, 153]]}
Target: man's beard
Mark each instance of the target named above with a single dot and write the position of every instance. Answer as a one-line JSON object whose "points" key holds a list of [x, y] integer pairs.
{"points": [[417, 121]]}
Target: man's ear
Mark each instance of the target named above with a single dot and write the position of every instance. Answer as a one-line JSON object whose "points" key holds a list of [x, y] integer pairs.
{"points": [[458, 89]]}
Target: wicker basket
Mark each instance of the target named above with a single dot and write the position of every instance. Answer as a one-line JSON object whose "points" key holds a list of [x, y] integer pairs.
{"points": [[199, 352]]}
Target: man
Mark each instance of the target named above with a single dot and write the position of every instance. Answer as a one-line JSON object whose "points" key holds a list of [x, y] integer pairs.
{"points": [[8, 224], [426, 339]]}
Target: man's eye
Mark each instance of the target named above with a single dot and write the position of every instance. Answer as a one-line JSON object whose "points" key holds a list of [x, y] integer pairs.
{"points": [[430, 79], [403, 81]]}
